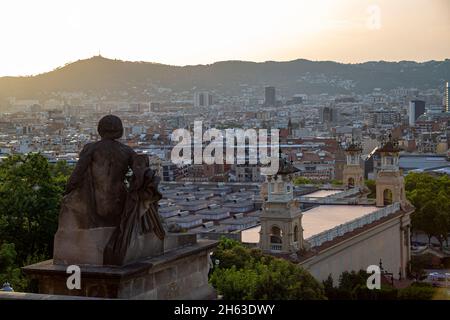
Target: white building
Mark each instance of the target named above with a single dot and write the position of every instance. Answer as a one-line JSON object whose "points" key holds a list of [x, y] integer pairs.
{"points": [[339, 233]]}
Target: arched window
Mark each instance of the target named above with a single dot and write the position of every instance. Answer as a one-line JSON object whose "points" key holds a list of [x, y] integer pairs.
{"points": [[387, 197], [275, 235], [295, 233]]}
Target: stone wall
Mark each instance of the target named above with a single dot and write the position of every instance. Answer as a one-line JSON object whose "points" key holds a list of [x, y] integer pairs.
{"points": [[185, 278], [179, 274], [385, 241]]}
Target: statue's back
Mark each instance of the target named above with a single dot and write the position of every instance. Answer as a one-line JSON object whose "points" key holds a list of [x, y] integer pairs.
{"points": [[110, 161]]}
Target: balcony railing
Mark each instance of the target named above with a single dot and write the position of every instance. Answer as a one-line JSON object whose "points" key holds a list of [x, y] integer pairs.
{"points": [[275, 247]]}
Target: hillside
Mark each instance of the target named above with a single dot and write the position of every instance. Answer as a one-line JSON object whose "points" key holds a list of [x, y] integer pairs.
{"points": [[99, 74]]}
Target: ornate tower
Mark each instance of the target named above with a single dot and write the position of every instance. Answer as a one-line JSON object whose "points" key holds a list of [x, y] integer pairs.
{"points": [[353, 174], [390, 186], [281, 227]]}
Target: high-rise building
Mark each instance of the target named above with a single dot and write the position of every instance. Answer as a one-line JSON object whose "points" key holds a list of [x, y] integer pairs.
{"points": [[203, 99], [447, 98], [328, 115], [416, 109], [435, 109], [269, 96], [383, 117]]}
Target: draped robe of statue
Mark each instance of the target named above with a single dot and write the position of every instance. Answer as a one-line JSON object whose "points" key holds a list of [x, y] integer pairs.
{"points": [[140, 214], [97, 195]]}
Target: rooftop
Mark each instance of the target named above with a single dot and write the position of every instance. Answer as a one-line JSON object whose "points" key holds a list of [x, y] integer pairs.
{"points": [[318, 219], [322, 193], [422, 162], [326, 217]]}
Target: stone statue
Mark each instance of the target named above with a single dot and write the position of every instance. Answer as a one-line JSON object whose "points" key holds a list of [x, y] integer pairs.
{"points": [[104, 218]]}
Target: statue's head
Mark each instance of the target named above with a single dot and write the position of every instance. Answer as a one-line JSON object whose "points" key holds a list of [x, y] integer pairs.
{"points": [[110, 127]]}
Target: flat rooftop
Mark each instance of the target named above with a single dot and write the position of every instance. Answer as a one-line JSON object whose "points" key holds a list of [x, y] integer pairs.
{"points": [[326, 217], [422, 162], [322, 193], [318, 219]]}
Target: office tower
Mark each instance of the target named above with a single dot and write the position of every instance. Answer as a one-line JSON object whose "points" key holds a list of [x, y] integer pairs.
{"points": [[416, 109], [328, 115], [269, 96], [203, 99]]}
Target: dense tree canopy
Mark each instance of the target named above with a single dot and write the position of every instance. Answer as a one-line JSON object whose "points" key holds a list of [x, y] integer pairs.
{"points": [[431, 197], [30, 195], [244, 273], [353, 286], [301, 180]]}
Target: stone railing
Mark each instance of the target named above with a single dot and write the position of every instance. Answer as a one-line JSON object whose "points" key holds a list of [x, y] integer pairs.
{"points": [[346, 193], [342, 229], [275, 247], [337, 198]]}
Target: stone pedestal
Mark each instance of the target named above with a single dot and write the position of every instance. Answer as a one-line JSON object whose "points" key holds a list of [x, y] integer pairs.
{"points": [[88, 246], [181, 272]]}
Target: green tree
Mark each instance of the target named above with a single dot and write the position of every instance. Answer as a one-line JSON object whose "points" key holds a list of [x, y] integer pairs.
{"points": [[235, 284], [245, 273], [336, 182], [418, 265], [30, 194], [353, 286], [301, 180], [431, 197], [8, 270], [29, 204], [370, 184], [417, 291], [331, 292]]}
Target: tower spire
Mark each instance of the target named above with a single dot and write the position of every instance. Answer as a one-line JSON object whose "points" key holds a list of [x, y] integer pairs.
{"points": [[390, 186], [281, 228]]}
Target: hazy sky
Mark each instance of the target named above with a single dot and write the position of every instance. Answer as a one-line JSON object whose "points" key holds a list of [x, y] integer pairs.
{"points": [[37, 36]]}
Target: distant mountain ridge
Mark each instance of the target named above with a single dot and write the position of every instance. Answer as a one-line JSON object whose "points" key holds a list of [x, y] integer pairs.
{"points": [[98, 74]]}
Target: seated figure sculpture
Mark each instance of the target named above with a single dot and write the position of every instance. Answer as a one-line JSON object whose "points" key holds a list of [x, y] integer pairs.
{"points": [[106, 219]]}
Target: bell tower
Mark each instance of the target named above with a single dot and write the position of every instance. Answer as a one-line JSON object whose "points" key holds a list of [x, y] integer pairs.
{"points": [[390, 185], [353, 174], [281, 227]]}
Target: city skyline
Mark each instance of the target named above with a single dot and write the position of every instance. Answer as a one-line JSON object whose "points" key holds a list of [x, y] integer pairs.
{"points": [[48, 35]]}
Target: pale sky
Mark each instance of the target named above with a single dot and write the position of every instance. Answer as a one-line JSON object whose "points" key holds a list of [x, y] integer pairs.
{"points": [[40, 35]]}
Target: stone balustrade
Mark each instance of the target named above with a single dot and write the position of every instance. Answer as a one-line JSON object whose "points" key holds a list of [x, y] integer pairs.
{"points": [[343, 197], [342, 229]]}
